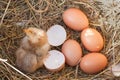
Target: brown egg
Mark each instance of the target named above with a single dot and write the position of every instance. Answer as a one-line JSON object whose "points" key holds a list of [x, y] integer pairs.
{"points": [[92, 39], [93, 63], [72, 52], [75, 19]]}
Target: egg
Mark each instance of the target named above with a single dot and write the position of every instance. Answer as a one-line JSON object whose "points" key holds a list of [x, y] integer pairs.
{"points": [[55, 61], [75, 19], [93, 63], [92, 39], [72, 52], [56, 35]]}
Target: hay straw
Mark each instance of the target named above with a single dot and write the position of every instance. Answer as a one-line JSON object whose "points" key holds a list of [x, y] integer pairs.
{"points": [[4, 13], [5, 61], [38, 11]]}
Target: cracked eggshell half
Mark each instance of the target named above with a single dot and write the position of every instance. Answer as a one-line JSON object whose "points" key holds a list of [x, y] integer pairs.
{"points": [[55, 61], [56, 35], [116, 70]]}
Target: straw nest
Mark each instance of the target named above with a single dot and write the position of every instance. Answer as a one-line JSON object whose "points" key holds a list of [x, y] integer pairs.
{"points": [[15, 15]]}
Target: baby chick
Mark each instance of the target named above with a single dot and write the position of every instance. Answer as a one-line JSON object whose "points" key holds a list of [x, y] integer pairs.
{"points": [[33, 49]]}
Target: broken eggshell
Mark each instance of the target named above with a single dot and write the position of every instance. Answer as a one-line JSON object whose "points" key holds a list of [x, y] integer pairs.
{"points": [[56, 35], [55, 61], [116, 70]]}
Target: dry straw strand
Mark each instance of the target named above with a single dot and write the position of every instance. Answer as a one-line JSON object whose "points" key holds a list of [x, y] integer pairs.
{"points": [[5, 61], [5, 13], [38, 11]]}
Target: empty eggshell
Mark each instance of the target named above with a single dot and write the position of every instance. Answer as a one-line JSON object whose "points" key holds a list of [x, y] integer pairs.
{"points": [[72, 52], [116, 70], [92, 39], [93, 63], [75, 19], [56, 35], [55, 61]]}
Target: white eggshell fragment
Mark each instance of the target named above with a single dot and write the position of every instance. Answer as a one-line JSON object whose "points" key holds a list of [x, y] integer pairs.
{"points": [[116, 70], [56, 35], [55, 61]]}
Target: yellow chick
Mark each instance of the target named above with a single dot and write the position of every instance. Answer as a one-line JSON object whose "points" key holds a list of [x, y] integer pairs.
{"points": [[33, 49]]}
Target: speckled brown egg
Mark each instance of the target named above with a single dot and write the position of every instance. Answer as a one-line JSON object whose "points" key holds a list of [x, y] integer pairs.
{"points": [[92, 39], [93, 63], [75, 19], [72, 52]]}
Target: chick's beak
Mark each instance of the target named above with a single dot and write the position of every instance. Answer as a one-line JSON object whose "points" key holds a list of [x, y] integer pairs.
{"points": [[28, 32], [25, 30]]}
